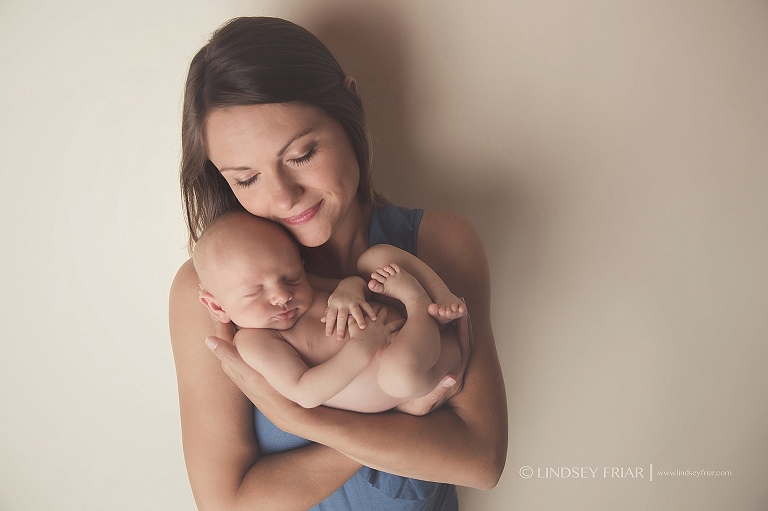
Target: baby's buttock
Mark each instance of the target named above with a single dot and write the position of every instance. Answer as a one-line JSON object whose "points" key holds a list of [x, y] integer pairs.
{"points": [[363, 394]]}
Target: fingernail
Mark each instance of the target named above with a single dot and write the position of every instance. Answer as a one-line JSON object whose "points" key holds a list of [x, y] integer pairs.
{"points": [[211, 343], [448, 383]]}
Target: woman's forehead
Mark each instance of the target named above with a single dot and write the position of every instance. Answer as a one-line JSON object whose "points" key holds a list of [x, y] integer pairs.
{"points": [[273, 126]]}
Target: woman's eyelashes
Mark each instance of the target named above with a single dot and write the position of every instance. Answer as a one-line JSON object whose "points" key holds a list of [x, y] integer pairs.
{"points": [[296, 161], [248, 182], [305, 158]]}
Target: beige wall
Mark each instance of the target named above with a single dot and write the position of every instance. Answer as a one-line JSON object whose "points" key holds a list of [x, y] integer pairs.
{"points": [[612, 154]]}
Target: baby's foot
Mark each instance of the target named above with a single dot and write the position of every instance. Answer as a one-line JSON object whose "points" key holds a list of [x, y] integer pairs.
{"points": [[395, 282], [447, 306]]}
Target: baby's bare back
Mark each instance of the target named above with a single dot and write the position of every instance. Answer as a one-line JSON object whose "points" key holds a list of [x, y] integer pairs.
{"points": [[308, 338]]}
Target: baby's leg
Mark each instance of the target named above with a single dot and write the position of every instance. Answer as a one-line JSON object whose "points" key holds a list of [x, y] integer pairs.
{"points": [[410, 367], [445, 306], [449, 363]]}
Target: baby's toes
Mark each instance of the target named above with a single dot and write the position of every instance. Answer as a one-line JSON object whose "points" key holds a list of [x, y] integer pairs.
{"points": [[388, 270], [443, 315], [376, 286]]}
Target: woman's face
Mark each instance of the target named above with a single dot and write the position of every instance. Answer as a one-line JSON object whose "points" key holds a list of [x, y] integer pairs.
{"points": [[288, 162]]}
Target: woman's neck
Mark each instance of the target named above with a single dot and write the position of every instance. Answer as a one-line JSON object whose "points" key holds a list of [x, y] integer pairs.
{"points": [[337, 257]]}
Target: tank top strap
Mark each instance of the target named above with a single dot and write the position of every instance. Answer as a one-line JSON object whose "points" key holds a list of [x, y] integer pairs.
{"points": [[395, 225]]}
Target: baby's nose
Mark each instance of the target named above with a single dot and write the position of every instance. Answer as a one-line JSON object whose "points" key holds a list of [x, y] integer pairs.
{"points": [[281, 297]]}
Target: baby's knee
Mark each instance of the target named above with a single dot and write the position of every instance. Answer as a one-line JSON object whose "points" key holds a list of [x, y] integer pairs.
{"points": [[375, 257]]}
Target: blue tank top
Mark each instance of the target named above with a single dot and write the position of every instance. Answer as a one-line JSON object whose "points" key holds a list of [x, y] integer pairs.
{"points": [[369, 489]]}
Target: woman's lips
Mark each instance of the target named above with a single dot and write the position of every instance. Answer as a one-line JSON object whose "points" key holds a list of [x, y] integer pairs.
{"points": [[304, 216]]}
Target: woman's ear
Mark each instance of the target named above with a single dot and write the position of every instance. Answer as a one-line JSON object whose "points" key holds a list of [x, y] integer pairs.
{"points": [[214, 306], [350, 84]]}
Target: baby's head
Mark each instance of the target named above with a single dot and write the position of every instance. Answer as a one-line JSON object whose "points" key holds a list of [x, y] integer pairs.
{"points": [[251, 273]]}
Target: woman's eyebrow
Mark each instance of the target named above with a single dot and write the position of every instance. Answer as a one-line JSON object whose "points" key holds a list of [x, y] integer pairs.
{"points": [[279, 153], [292, 140], [233, 169]]}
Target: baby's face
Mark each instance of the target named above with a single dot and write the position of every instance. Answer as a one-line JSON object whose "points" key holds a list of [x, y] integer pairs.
{"points": [[263, 288]]}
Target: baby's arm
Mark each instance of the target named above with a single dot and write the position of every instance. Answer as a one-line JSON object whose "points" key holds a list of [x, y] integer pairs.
{"points": [[445, 305], [286, 372]]}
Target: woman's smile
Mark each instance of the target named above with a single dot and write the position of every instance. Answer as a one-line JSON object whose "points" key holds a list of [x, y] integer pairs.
{"points": [[304, 216]]}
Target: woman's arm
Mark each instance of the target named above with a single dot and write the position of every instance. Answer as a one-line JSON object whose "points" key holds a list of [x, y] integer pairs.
{"points": [[225, 470], [465, 441]]}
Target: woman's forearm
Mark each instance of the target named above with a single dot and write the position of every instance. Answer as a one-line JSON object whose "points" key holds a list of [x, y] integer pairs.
{"points": [[289, 481], [293, 480]]}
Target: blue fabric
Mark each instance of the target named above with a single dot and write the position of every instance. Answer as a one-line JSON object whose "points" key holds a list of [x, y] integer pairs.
{"points": [[368, 489]]}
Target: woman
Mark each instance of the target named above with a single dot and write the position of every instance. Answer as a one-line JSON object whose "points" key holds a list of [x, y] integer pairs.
{"points": [[271, 124]]}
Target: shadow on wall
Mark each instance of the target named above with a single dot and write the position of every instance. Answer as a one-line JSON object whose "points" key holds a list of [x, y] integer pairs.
{"points": [[373, 46]]}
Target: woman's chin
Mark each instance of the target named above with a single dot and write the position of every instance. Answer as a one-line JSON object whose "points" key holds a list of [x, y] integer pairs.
{"points": [[311, 239], [312, 243]]}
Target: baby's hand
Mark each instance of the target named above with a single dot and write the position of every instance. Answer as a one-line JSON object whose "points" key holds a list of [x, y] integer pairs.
{"points": [[379, 333], [347, 300]]}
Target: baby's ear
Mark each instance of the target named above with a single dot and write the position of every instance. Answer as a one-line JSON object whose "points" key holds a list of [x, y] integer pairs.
{"points": [[214, 306]]}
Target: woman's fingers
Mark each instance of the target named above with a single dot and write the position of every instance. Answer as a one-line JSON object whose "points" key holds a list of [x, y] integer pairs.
{"points": [[445, 390], [464, 340], [464, 333], [226, 352], [223, 330], [250, 381]]}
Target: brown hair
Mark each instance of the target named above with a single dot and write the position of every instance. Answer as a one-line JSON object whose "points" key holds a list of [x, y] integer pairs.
{"points": [[251, 61]]}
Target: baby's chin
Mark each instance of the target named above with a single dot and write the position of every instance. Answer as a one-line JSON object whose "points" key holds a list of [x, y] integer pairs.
{"points": [[284, 321]]}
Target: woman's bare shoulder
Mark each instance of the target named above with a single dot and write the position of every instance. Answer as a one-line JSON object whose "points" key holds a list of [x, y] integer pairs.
{"points": [[183, 301], [185, 279], [452, 246]]}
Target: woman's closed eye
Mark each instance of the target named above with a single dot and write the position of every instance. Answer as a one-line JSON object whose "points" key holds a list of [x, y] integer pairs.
{"points": [[248, 182], [305, 158]]}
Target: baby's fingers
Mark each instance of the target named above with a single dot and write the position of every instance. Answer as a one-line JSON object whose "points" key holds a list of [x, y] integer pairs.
{"points": [[330, 320], [358, 316], [368, 310], [341, 325]]}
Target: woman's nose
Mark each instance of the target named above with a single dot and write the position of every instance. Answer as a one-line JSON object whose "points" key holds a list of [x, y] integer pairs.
{"points": [[281, 296], [286, 192]]}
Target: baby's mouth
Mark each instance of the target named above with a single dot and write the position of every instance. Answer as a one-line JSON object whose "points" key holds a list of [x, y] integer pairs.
{"points": [[283, 316]]}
